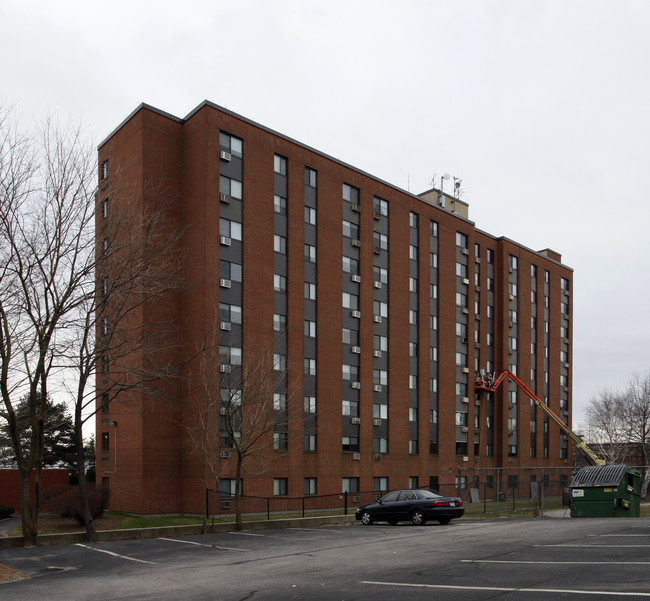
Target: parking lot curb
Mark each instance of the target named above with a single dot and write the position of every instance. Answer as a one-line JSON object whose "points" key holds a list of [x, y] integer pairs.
{"points": [[167, 531]]}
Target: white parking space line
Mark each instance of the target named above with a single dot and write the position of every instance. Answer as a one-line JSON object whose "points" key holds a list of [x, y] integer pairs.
{"points": [[608, 546], [246, 534], [618, 535], [318, 530], [561, 563], [505, 589], [190, 542], [115, 554]]}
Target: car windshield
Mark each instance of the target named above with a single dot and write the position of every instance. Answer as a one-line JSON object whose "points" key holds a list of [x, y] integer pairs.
{"points": [[427, 494]]}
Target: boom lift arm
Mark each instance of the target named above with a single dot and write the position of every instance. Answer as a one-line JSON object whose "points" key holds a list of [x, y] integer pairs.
{"points": [[489, 383]]}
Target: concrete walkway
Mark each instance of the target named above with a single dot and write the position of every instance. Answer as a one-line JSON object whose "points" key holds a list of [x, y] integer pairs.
{"points": [[7, 525]]}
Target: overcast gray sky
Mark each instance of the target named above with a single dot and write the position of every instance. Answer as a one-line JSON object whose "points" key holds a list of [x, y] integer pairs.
{"points": [[542, 108]]}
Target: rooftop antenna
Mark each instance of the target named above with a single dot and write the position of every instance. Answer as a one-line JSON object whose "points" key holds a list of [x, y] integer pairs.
{"points": [[457, 183], [441, 197]]}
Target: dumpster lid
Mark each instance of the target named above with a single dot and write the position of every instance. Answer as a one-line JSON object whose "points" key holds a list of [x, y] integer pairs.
{"points": [[599, 475]]}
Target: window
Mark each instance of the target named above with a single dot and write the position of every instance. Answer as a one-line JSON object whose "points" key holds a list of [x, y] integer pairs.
{"points": [[279, 204], [533, 296], [310, 291], [379, 484], [105, 208], [413, 382], [461, 389], [279, 283], [106, 441], [512, 288], [230, 355], [379, 343], [461, 418], [564, 308], [350, 337], [231, 187], [413, 349], [461, 359], [461, 329], [490, 255], [512, 262], [461, 299], [350, 408], [349, 443], [413, 414], [380, 274], [280, 443], [350, 485], [230, 271], [310, 216], [105, 326], [310, 253], [379, 411], [279, 244], [413, 317], [533, 271], [433, 290], [564, 284], [380, 445], [279, 401], [433, 260], [279, 322], [280, 486], [230, 144], [106, 364], [413, 285], [103, 170], [434, 229], [310, 177], [280, 164], [350, 230], [461, 240], [310, 367], [105, 401], [310, 486], [380, 376], [461, 270], [309, 442], [512, 316], [231, 229], [512, 343], [413, 220], [309, 404], [413, 252], [350, 301], [310, 328], [279, 362], [380, 206], [380, 308], [350, 372], [229, 313], [380, 240], [350, 194], [350, 265]]}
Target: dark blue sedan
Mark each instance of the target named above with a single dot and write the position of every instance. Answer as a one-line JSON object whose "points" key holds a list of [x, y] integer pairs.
{"points": [[418, 506]]}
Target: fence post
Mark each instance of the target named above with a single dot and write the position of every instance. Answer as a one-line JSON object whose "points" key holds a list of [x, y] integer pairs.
{"points": [[303, 507], [345, 497], [268, 508], [541, 496]]}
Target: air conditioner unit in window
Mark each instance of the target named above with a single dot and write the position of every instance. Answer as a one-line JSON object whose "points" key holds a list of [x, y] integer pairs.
{"points": [[511, 297], [224, 198], [355, 420], [377, 456], [376, 284], [225, 504], [355, 313], [225, 325], [511, 324], [225, 369], [225, 283], [465, 251], [377, 216], [377, 387], [356, 385], [465, 311], [356, 349], [376, 250], [465, 340], [356, 242], [566, 365], [225, 241], [356, 278], [510, 270], [464, 399], [225, 155], [376, 318], [225, 454], [376, 422], [465, 370], [477, 259], [465, 281], [356, 456], [477, 345], [356, 208], [464, 429], [376, 354], [223, 411]]}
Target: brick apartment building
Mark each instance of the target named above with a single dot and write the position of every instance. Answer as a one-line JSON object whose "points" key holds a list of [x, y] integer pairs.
{"points": [[382, 303]]}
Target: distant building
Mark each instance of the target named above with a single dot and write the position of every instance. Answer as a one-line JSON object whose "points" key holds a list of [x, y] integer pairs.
{"points": [[382, 303]]}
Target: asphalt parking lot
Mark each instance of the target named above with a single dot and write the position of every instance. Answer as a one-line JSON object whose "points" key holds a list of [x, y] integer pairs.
{"points": [[466, 560]]}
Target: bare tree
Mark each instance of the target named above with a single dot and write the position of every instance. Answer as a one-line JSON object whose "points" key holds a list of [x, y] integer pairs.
{"points": [[46, 249], [607, 426], [636, 413], [246, 410]]}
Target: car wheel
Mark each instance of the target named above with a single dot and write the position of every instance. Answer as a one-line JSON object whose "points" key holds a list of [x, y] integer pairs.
{"points": [[444, 521], [392, 522], [417, 517], [366, 518]]}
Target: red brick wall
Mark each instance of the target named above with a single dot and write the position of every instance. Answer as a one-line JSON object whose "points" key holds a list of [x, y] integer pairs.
{"points": [[10, 484]]}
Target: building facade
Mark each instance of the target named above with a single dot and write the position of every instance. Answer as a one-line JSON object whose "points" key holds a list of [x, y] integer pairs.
{"points": [[380, 306]]}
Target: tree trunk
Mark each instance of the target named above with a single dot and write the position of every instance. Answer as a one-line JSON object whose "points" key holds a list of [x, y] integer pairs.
{"points": [[29, 524], [238, 520], [84, 507]]}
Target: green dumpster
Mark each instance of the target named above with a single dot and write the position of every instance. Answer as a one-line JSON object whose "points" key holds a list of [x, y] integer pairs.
{"points": [[606, 491]]}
